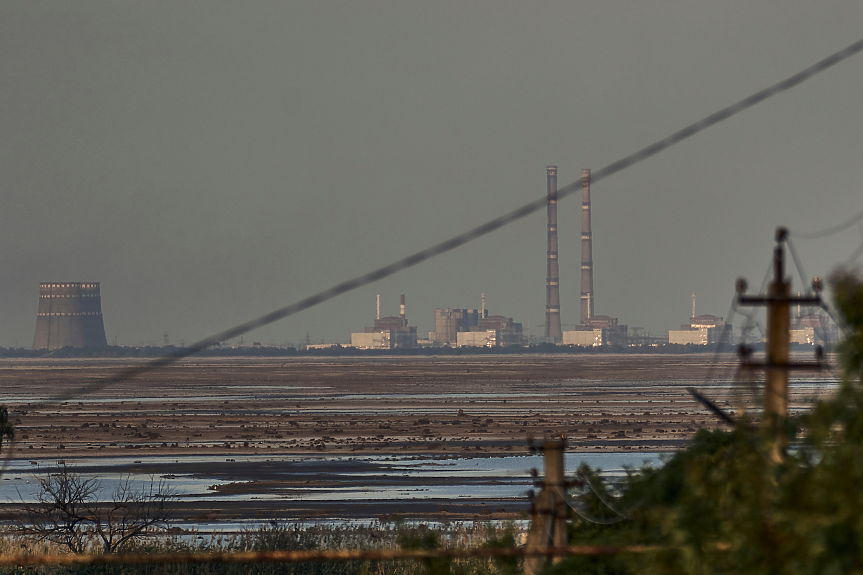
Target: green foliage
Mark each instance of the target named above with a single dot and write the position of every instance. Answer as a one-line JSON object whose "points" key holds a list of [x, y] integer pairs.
{"points": [[496, 539], [424, 538], [848, 300], [721, 507]]}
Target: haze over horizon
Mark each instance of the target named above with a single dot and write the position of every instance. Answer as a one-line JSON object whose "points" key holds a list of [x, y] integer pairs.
{"points": [[208, 162]]}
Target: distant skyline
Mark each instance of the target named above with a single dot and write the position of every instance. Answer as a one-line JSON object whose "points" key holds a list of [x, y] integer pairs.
{"points": [[208, 162]]}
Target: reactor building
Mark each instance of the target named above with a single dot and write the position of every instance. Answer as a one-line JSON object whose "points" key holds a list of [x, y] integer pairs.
{"points": [[70, 315], [387, 332], [813, 329], [702, 330], [474, 328]]}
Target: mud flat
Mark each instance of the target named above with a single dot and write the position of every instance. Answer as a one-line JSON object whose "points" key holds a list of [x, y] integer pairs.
{"points": [[230, 410]]}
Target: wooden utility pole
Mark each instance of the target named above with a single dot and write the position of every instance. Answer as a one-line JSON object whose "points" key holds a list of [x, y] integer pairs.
{"points": [[778, 356], [548, 525]]}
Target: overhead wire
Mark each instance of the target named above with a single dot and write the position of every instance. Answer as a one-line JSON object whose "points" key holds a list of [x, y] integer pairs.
{"points": [[720, 347], [751, 322], [573, 504], [833, 230], [470, 235], [604, 500], [853, 258], [799, 265], [486, 228]]}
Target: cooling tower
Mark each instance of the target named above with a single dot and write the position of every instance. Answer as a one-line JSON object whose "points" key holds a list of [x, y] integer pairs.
{"points": [[70, 314], [552, 282], [586, 251]]}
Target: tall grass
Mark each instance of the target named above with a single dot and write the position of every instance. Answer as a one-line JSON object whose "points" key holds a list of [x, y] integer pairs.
{"points": [[285, 536]]}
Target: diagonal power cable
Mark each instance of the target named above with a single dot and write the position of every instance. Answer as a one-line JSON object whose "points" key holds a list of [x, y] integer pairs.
{"points": [[479, 231], [830, 231]]}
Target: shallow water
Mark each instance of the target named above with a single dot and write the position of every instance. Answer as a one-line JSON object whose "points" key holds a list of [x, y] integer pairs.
{"points": [[392, 477]]}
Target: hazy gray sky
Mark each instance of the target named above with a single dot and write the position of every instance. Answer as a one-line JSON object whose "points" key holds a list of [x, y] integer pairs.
{"points": [[210, 161]]}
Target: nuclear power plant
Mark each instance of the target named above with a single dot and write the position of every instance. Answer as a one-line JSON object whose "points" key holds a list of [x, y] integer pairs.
{"points": [[70, 315]]}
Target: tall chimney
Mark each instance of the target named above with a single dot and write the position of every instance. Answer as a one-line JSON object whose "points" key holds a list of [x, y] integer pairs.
{"points": [[482, 313], [379, 307], [552, 282], [586, 251], [402, 308], [693, 306]]}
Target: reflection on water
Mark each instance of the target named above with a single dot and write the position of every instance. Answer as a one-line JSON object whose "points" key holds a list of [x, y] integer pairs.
{"points": [[370, 478]]}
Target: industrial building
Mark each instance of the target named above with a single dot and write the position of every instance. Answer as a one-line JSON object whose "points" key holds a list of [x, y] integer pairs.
{"points": [[585, 336], [484, 338], [491, 331], [70, 314], [813, 329], [474, 328], [598, 330], [702, 330], [387, 332], [449, 322]]}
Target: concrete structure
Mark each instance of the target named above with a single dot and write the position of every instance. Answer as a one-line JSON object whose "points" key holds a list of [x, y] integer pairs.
{"points": [[484, 338], [373, 340], [598, 330], [803, 336], [507, 331], [387, 332], [552, 281], [449, 322], [586, 251], [702, 330], [813, 329], [70, 314], [586, 336], [491, 331]]}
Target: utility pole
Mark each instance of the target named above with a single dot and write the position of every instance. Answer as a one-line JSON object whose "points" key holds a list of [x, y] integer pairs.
{"points": [[548, 525], [778, 356]]}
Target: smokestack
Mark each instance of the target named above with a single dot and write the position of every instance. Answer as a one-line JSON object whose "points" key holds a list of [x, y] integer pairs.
{"points": [[379, 307], [693, 306], [552, 282], [402, 308], [586, 251], [482, 309]]}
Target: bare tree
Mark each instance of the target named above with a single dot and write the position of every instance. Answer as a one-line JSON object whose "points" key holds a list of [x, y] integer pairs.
{"points": [[132, 513], [67, 512]]}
